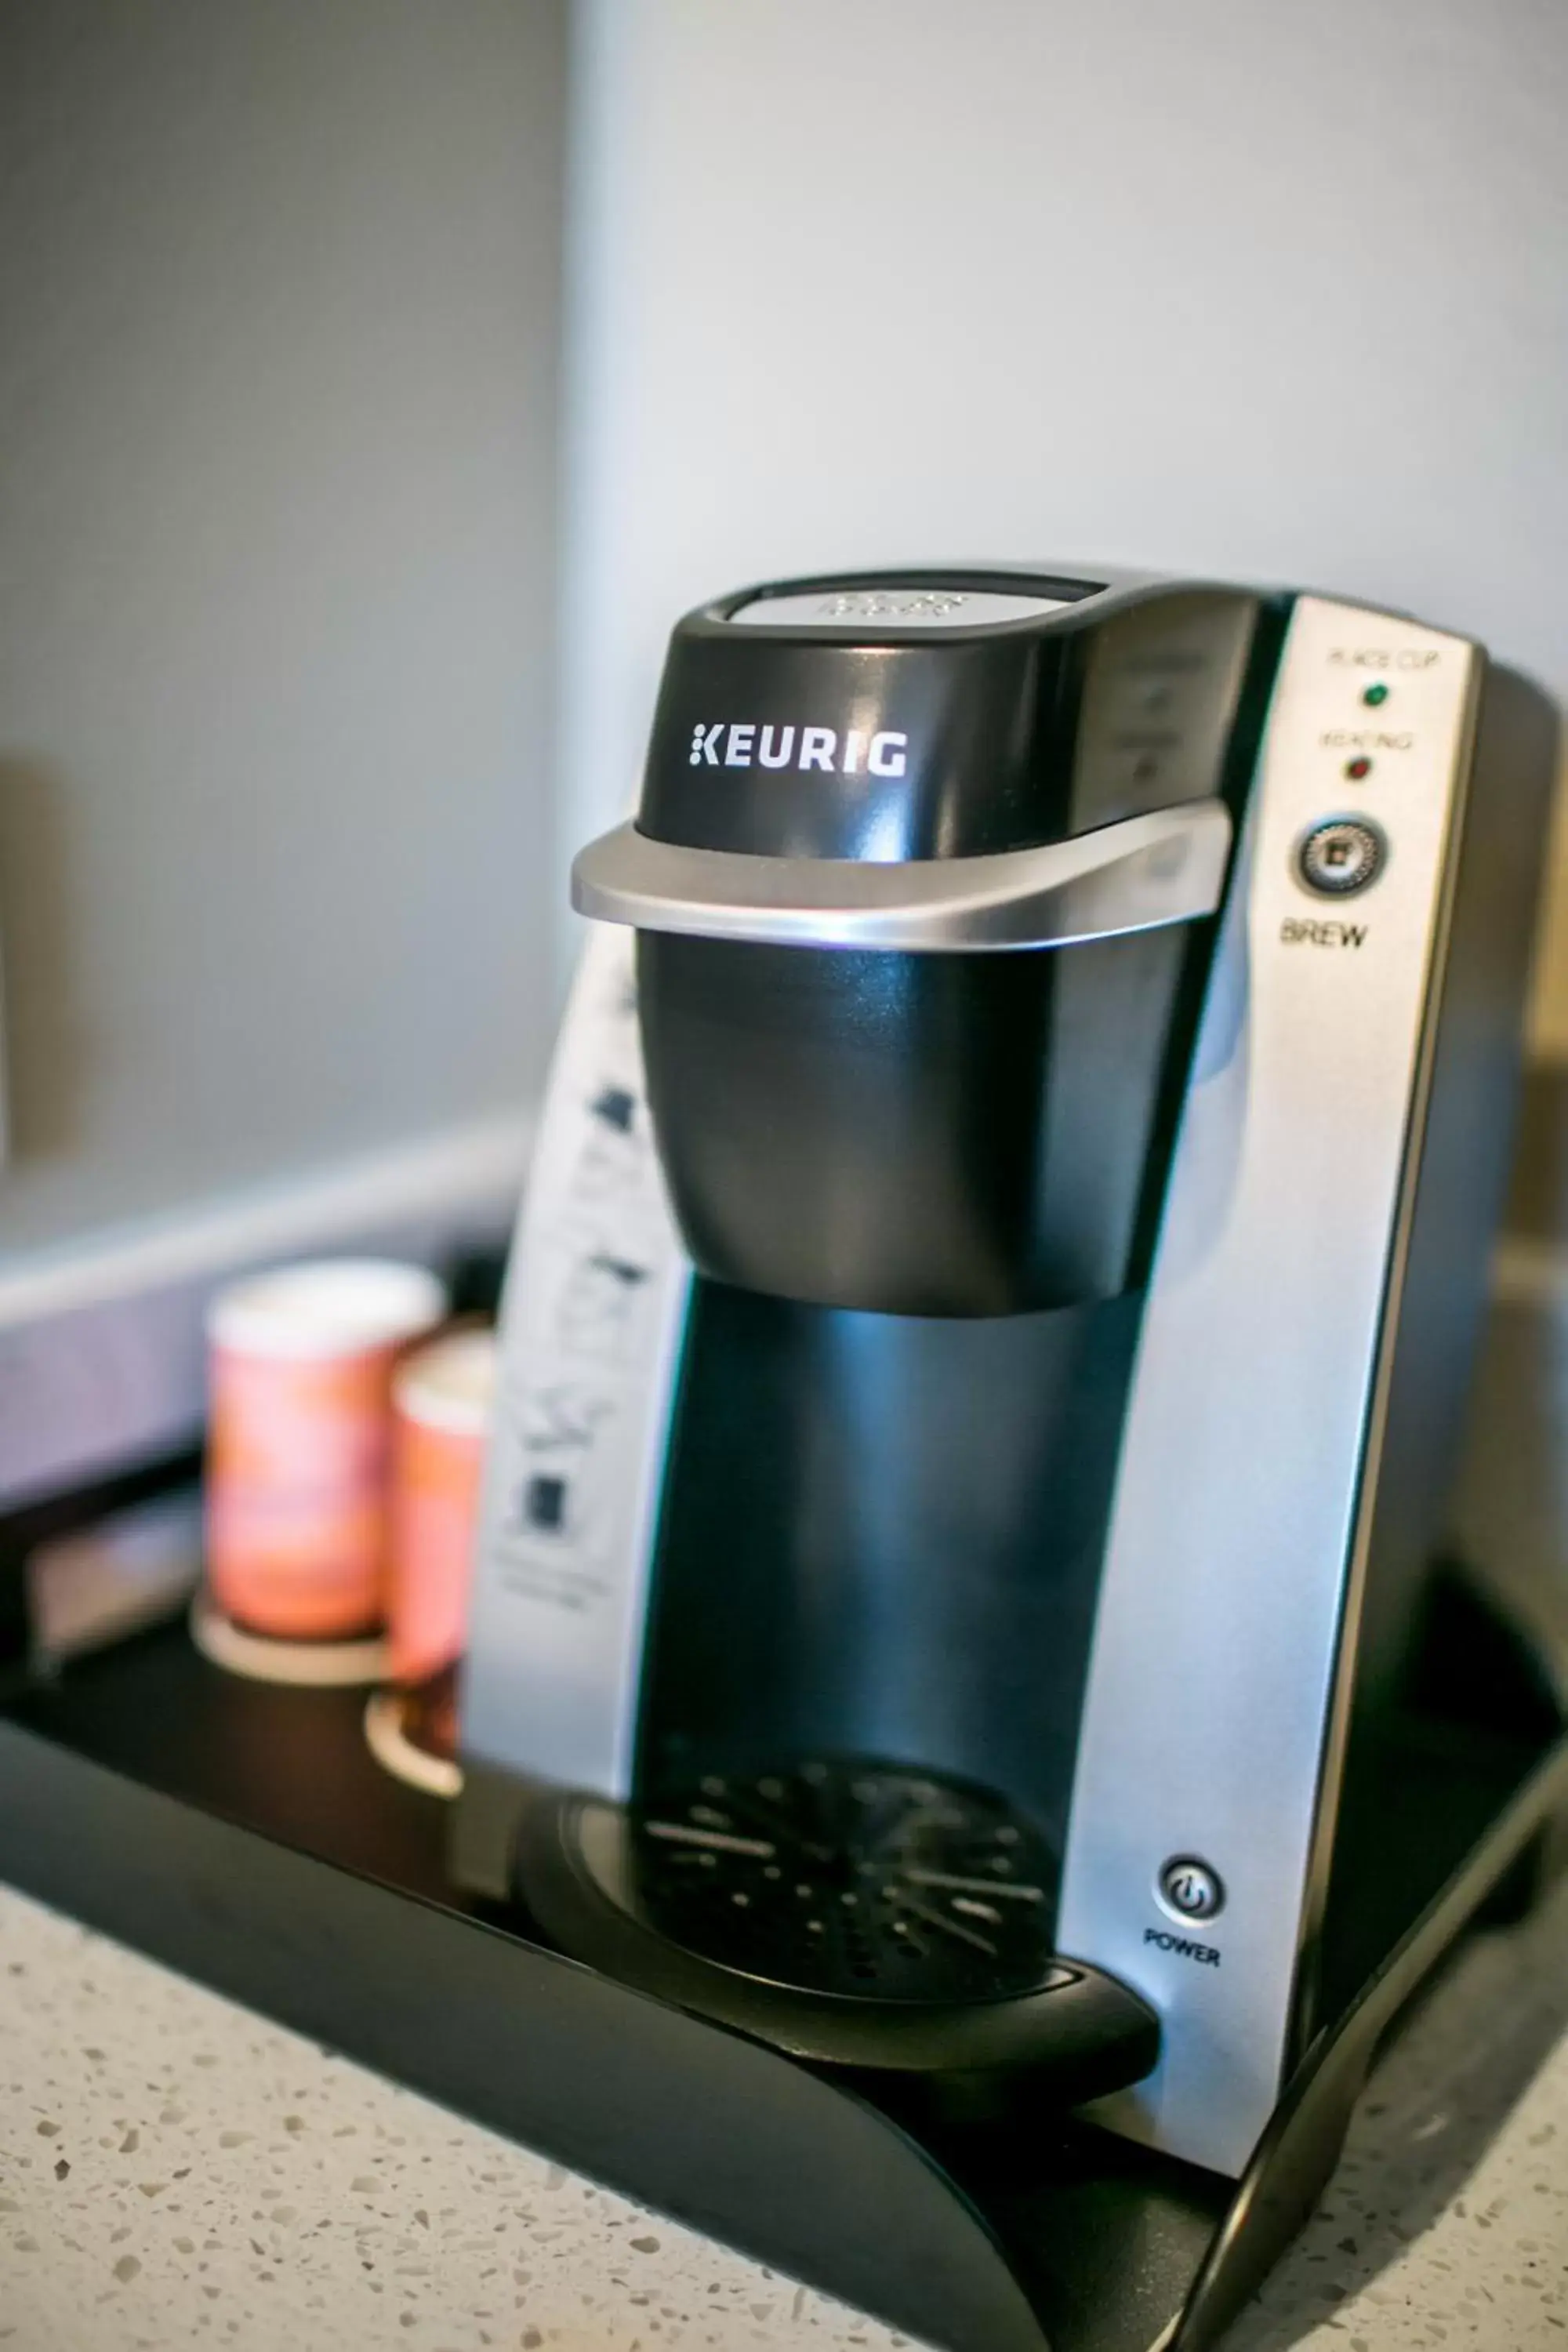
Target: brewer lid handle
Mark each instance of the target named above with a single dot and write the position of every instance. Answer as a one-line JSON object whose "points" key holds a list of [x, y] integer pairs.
{"points": [[1166, 867]]}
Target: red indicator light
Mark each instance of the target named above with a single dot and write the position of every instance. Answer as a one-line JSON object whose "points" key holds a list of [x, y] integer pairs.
{"points": [[1357, 769]]}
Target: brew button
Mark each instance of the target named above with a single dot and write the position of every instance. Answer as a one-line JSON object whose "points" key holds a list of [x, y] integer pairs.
{"points": [[1342, 856], [1191, 1888]]}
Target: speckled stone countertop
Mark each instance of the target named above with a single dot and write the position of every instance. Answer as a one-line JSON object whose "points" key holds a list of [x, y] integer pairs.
{"points": [[175, 2171]]}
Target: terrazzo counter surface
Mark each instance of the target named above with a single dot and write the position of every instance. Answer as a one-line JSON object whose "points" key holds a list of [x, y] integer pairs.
{"points": [[175, 2171]]}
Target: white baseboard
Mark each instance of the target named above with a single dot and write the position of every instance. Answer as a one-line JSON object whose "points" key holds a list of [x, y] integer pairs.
{"points": [[101, 1357]]}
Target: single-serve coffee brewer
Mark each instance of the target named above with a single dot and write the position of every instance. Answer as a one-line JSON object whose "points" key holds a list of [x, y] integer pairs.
{"points": [[962, 1600]]}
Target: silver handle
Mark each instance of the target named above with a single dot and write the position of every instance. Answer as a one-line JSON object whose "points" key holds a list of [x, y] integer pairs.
{"points": [[1165, 868]]}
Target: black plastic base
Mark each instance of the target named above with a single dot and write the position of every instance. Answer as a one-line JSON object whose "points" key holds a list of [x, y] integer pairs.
{"points": [[244, 1834]]}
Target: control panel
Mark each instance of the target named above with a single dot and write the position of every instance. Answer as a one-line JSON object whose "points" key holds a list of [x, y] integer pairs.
{"points": [[1197, 1837], [1373, 705]]}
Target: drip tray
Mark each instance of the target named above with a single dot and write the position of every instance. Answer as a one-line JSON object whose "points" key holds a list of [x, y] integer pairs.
{"points": [[853, 1878], [890, 1922]]}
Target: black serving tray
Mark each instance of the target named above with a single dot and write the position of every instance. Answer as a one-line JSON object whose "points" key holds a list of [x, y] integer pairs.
{"points": [[243, 1835]]}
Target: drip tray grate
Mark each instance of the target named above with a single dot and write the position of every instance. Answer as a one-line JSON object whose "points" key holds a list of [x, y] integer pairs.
{"points": [[851, 1878]]}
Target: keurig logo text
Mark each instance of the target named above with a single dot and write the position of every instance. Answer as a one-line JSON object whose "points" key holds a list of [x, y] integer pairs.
{"points": [[745, 744]]}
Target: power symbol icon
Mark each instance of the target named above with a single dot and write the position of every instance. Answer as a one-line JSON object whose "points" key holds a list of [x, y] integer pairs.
{"points": [[1190, 1888]]}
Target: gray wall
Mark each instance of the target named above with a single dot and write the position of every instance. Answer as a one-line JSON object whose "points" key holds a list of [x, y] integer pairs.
{"points": [[1256, 290], [279, 334]]}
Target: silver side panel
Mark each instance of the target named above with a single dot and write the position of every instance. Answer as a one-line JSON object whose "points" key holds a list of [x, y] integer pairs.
{"points": [[591, 1327], [1229, 1582]]}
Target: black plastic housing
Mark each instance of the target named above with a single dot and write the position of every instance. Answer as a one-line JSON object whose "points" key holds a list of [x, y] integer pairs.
{"points": [[943, 1134]]}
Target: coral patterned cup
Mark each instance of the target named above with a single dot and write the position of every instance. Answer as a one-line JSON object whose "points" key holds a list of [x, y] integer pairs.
{"points": [[441, 1415], [300, 1371]]}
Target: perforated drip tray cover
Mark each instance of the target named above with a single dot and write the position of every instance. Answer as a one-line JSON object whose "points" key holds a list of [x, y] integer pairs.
{"points": [[843, 1878], [855, 1913]]}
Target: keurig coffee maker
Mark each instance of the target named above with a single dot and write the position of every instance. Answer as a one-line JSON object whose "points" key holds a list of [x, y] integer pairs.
{"points": [[982, 1352]]}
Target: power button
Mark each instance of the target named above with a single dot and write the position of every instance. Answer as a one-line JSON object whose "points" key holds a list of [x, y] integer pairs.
{"points": [[1191, 1888], [1342, 855]]}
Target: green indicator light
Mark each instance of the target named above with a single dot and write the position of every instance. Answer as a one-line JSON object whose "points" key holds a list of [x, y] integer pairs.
{"points": [[1374, 695]]}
